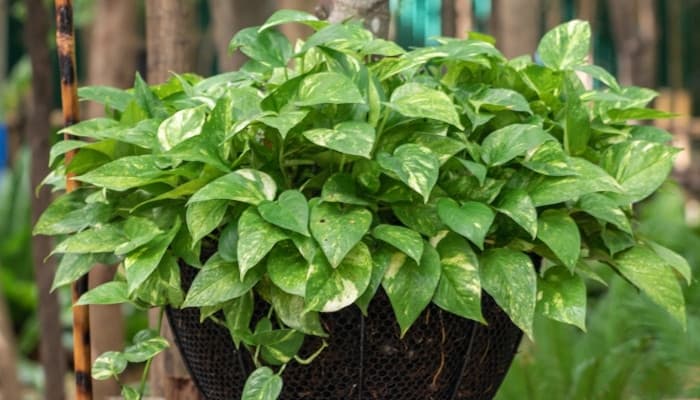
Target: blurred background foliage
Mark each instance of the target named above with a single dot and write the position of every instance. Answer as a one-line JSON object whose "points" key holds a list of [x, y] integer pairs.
{"points": [[632, 349]]}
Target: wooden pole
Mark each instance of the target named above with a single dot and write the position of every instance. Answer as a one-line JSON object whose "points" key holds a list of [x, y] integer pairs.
{"points": [[65, 41]]}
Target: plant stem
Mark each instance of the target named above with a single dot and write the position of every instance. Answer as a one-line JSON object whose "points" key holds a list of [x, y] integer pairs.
{"points": [[144, 375]]}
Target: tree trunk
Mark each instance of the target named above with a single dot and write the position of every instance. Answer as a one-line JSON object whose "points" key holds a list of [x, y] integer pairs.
{"points": [[38, 131], [230, 16], [171, 45], [9, 383], [516, 26], [635, 35], [464, 18], [374, 13]]}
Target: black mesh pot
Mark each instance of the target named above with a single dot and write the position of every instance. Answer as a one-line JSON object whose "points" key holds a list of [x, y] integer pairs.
{"points": [[442, 357]]}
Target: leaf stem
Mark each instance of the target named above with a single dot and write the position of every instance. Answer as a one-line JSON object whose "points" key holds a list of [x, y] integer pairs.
{"points": [[311, 358], [144, 375]]}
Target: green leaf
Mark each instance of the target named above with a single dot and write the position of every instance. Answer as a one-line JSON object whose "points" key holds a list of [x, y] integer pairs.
{"points": [[147, 344], [417, 101], [478, 170], [219, 281], [102, 239], [262, 384], [338, 229], [651, 274], [617, 116], [129, 393], [125, 173], [341, 188], [238, 313], [331, 288], [205, 216], [549, 159], [117, 99], [514, 140], [408, 241], [519, 207], [202, 148], [284, 121], [288, 269], [290, 211], [606, 209], [107, 293], [560, 233], [640, 167], [561, 296], [589, 178], [381, 259], [350, 137], [290, 309], [327, 88], [495, 99], [617, 241], [228, 242], [181, 126], [410, 286], [414, 165], [64, 146], [566, 46], [244, 185], [67, 214], [138, 231], [92, 128], [600, 74], [673, 259], [256, 237], [422, 218], [147, 100], [268, 47], [576, 122], [108, 365], [459, 289], [72, 267], [471, 220], [509, 277], [280, 17], [140, 264]]}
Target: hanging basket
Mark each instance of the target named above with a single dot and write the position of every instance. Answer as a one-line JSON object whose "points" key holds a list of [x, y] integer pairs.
{"points": [[442, 356]]}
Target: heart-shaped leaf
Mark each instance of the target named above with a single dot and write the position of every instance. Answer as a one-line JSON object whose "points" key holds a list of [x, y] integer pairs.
{"points": [[418, 101], [337, 229], [414, 165], [204, 216], [327, 88], [410, 286], [471, 220], [256, 237], [509, 277], [566, 46], [181, 126], [290, 309], [518, 206], [290, 211], [262, 384], [330, 289], [351, 137], [219, 281], [408, 241], [560, 233], [514, 140], [287, 269], [341, 188], [562, 297], [459, 289], [652, 275], [244, 185]]}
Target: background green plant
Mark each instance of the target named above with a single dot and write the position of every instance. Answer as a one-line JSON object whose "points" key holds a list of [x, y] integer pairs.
{"points": [[320, 172], [621, 355]]}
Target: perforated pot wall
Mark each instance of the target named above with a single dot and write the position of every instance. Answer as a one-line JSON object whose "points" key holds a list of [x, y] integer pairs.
{"points": [[442, 357]]}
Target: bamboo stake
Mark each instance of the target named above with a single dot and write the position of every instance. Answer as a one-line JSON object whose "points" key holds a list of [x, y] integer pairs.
{"points": [[65, 41]]}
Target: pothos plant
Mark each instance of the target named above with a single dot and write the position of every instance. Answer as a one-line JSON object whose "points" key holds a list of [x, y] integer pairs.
{"points": [[322, 171]]}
